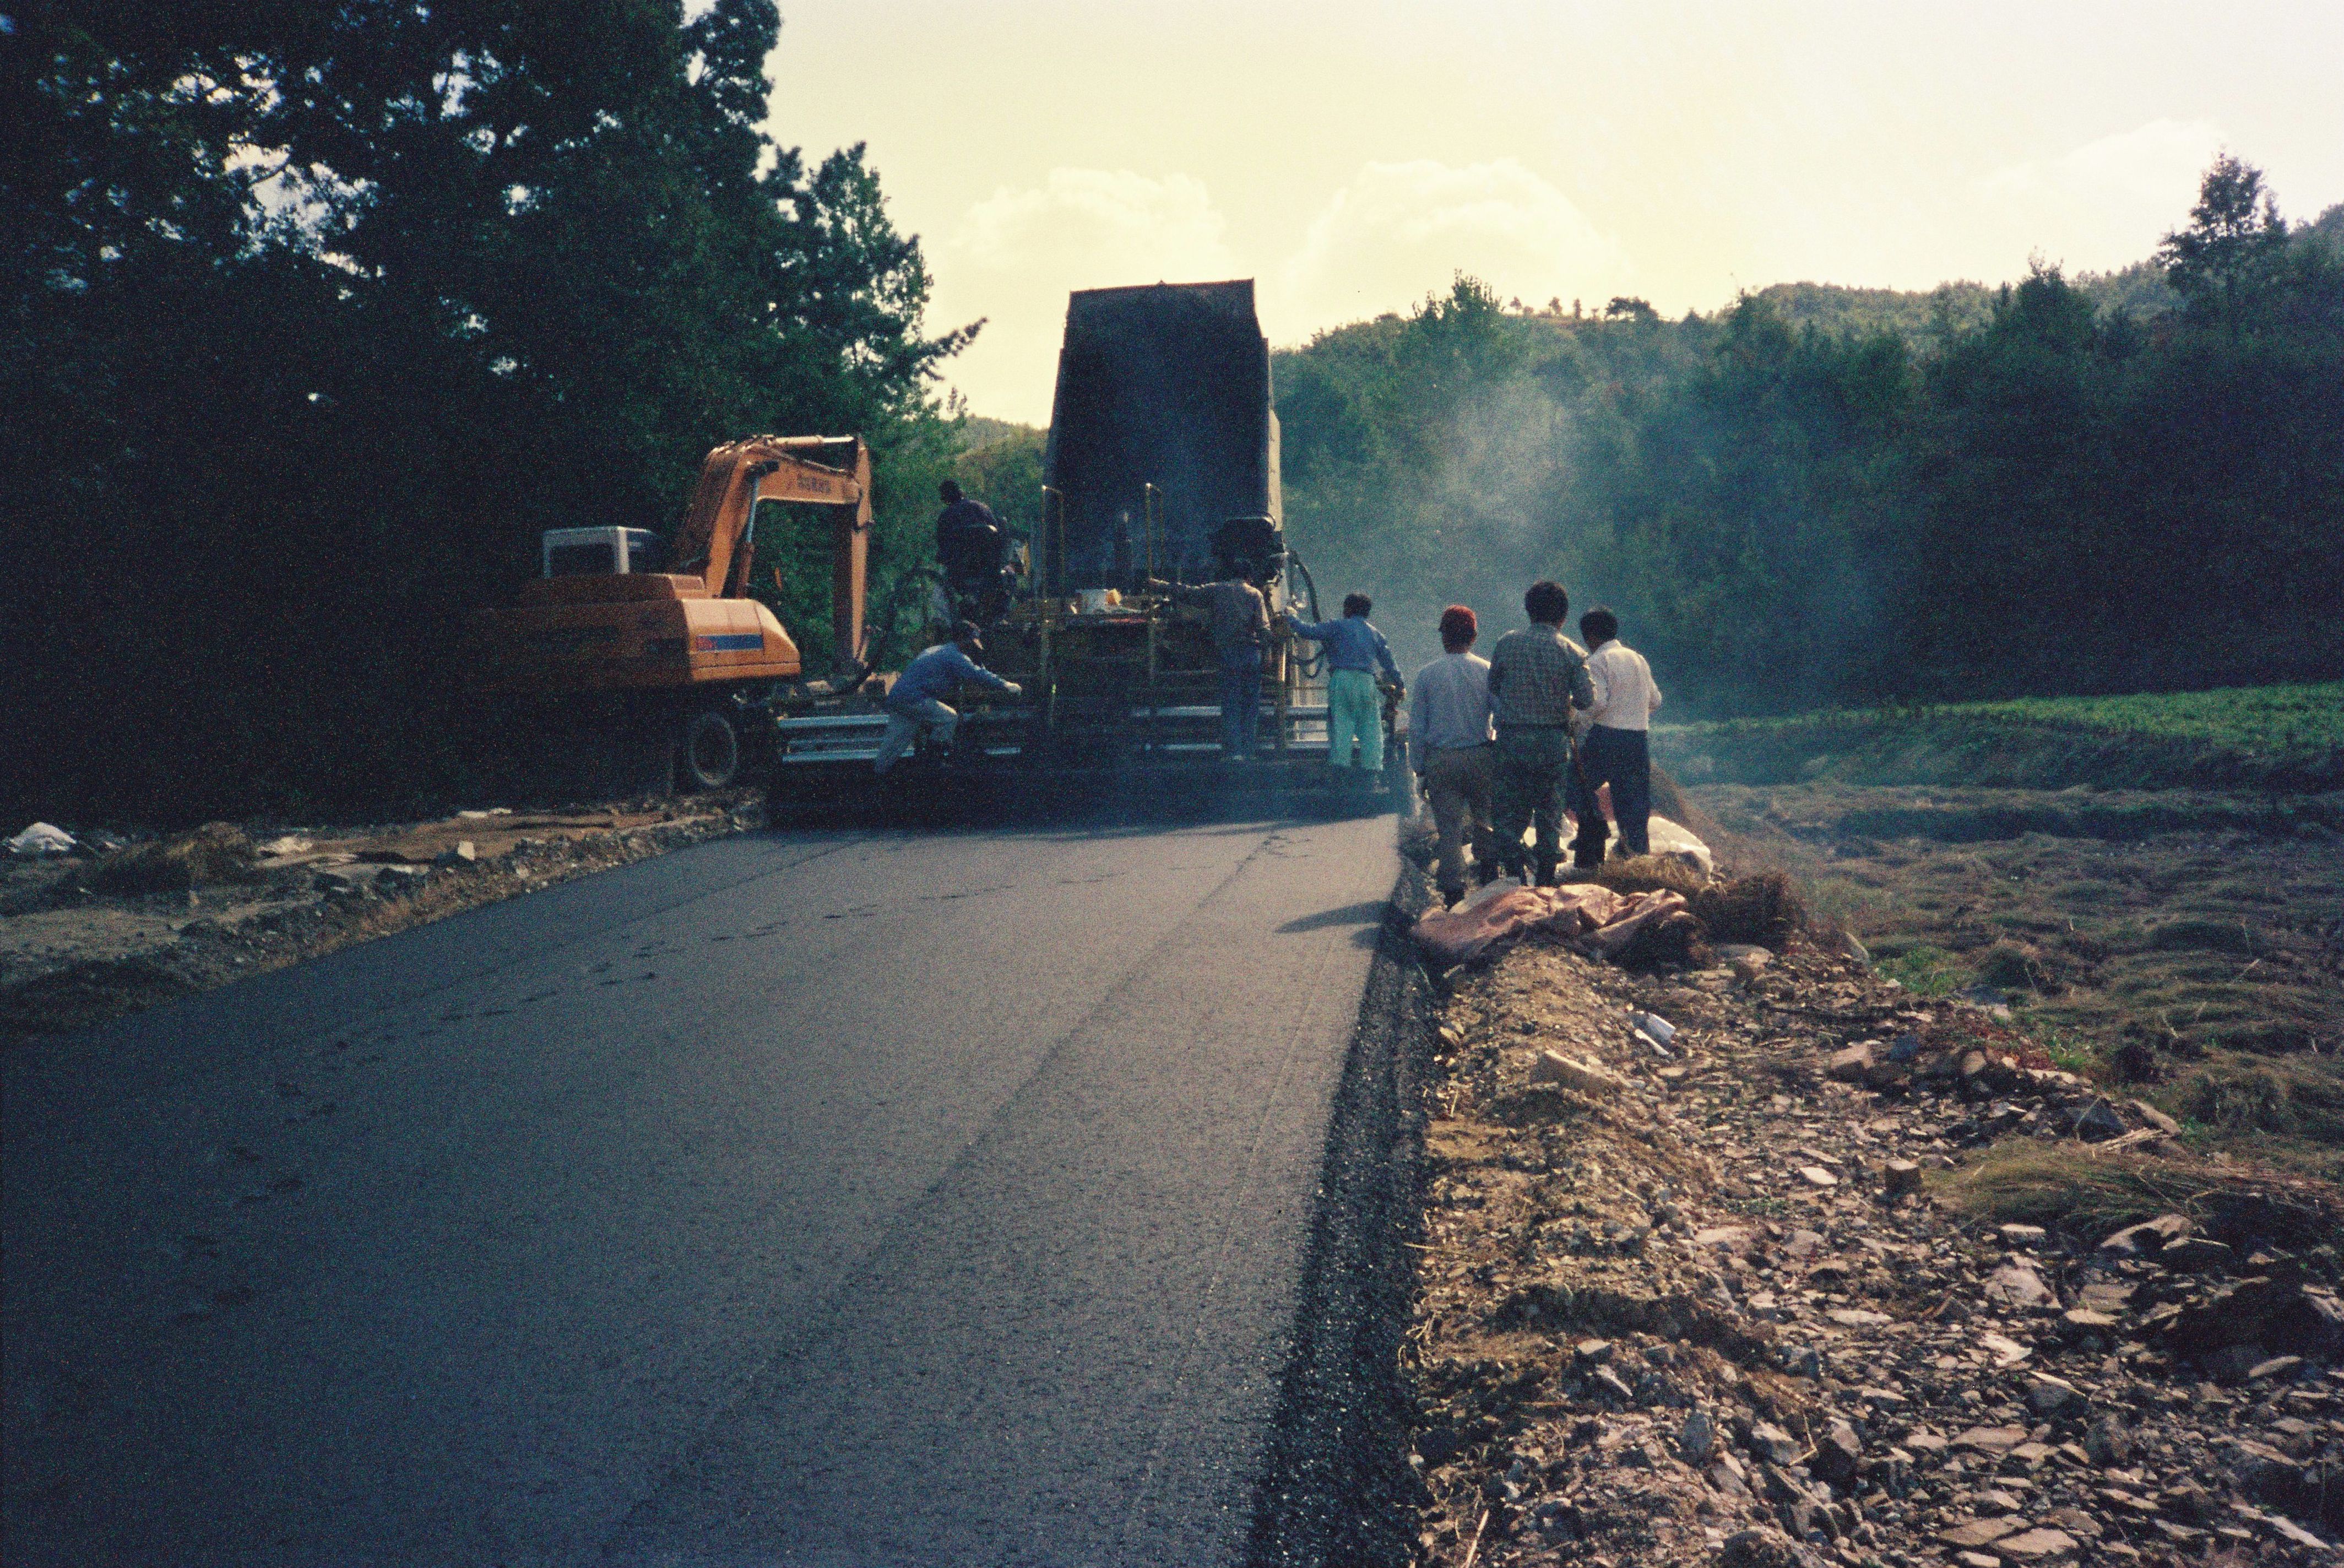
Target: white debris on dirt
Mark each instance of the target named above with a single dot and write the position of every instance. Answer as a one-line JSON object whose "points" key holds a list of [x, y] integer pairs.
{"points": [[1722, 1309], [41, 838], [120, 924]]}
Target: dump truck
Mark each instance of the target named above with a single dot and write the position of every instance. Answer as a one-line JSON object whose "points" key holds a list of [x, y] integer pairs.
{"points": [[633, 663], [1162, 467]]}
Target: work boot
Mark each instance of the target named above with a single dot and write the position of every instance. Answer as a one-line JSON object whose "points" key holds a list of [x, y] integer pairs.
{"points": [[1546, 871], [1449, 895], [1485, 871]]}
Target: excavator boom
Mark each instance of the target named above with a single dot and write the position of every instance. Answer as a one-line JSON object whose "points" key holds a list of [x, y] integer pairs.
{"points": [[816, 470]]}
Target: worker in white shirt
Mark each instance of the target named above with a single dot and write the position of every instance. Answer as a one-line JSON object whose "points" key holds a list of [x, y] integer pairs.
{"points": [[1616, 748], [1450, 736]]}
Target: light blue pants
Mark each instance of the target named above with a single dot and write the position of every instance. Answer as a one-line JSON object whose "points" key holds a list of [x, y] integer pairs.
{"points": [[1355, 712]]}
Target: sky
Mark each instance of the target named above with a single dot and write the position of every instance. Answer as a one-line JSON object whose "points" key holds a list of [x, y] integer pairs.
{"points": [[1352, 158]]}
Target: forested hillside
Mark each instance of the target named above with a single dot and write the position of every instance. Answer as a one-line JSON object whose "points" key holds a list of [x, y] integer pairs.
{"points": [[316, 316], [1823, 496]]}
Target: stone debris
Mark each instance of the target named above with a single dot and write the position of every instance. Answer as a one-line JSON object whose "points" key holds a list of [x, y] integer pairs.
{"points": [[1572, 1073], [1706, 1309]]}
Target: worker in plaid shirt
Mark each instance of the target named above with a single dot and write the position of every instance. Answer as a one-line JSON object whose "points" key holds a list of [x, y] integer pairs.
{"points": [[1537, 676]]}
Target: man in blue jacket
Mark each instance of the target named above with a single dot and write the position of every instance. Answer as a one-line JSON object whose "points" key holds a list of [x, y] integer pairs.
{"points": [[918, 697], [1355, 712]]}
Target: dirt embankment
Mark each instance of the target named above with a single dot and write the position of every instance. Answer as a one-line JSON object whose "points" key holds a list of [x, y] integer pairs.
{"points": [[125, 924], [1937, 1262], [1740, 1304]]}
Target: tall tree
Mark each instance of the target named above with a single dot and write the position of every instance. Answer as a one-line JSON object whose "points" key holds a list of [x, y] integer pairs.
{"points": [[2227, 254]]}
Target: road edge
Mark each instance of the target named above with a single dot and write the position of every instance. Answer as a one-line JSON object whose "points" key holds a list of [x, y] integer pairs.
{"points": [[1336, 1487]]}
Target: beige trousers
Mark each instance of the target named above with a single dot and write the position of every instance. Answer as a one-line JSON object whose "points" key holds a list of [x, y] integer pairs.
{"points": [[1457, 782]]}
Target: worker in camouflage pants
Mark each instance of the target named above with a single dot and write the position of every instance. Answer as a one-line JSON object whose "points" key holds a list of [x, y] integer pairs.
{"points": [[1537, 676]]}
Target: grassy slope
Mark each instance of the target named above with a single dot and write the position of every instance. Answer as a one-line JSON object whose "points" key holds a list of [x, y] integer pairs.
{"points": [[2184, 943], [2288, 738]]}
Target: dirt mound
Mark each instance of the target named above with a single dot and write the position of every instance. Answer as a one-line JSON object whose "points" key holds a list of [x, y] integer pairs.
{"points": [[218, 851]]}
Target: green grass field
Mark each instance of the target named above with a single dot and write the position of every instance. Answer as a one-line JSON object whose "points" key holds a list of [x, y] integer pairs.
{"points": [[2258, 737], [2245, 718]]}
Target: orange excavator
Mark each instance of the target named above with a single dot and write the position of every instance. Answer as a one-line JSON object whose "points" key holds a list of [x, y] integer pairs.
{"points": [[655, 656]]}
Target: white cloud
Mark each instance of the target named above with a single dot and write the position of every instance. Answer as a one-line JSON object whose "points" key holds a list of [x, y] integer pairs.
{"points": [[1104, 226], [2105, 204], [1020, 252], [1401, 231]]}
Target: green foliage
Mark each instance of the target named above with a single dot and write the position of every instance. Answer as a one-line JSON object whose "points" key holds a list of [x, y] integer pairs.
{"points": [[1005, 473], [1829, 496], [319, 314], [2229, 251]]}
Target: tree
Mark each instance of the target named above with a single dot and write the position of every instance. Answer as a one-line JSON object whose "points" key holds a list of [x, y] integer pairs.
{"points": [[319, 314], [2234, 237]]}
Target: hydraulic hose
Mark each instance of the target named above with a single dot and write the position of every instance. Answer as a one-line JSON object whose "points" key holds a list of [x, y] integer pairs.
{"points": [[1315, 664]]}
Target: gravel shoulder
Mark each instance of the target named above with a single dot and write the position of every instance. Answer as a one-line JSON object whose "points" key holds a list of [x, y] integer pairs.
{"points": [[129, 922], [1744, 1301]]}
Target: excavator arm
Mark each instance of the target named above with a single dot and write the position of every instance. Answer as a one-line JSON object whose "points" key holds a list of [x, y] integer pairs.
{"points": [[831, 472]]}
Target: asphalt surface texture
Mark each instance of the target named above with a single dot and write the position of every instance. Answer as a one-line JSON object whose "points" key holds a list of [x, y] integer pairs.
{"points": [[847, 1196]]}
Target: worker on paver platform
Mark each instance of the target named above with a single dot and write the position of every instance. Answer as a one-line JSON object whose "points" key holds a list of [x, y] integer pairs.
{"points": [[916, 699], [970, 545], [1537, 676], [1616, 748], [1354, 707], [1240, 620], [1449, 734]]}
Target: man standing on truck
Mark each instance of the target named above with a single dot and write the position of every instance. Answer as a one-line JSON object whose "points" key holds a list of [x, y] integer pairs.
{"points": [[1616, 748], [969, 546], [1354, 706], [1449, 739], [916, 700], [1537, 676], [1239, 619]]}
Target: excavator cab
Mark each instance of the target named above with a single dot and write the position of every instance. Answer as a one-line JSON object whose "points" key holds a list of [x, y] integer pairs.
{"points": [[600, 551]]}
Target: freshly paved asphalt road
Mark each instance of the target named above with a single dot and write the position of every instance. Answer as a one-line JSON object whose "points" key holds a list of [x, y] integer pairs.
{"points": [[818, 1198]]}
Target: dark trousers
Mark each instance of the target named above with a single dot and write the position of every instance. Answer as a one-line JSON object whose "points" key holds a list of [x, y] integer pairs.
{"points": [[1533, 760], [1240, 699], [1622, 759]]}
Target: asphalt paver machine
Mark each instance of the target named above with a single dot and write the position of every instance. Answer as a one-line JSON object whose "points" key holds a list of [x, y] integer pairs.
{"points": [[1162, 468]]}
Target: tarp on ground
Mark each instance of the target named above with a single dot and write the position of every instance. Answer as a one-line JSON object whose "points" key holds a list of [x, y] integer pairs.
{"points": [[1594, 919]]}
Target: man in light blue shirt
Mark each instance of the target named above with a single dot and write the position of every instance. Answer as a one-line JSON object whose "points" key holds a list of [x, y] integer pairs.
{"points": [[1449, 739], [1354, 713], [918, 697]]}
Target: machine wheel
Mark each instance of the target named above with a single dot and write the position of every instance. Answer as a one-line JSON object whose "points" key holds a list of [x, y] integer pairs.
{"points": [[708, 752]]}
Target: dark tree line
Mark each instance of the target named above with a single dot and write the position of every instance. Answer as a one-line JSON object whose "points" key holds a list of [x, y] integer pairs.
{"points": [[2062, 492], [317, 315]]}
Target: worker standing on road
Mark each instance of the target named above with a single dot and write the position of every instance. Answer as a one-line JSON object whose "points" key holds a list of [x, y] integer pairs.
{"points": [[1354, 708], [916, 699], [1450, 734], [969, 546], [1617, 749], [1537, 676], [1239, 619]]}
